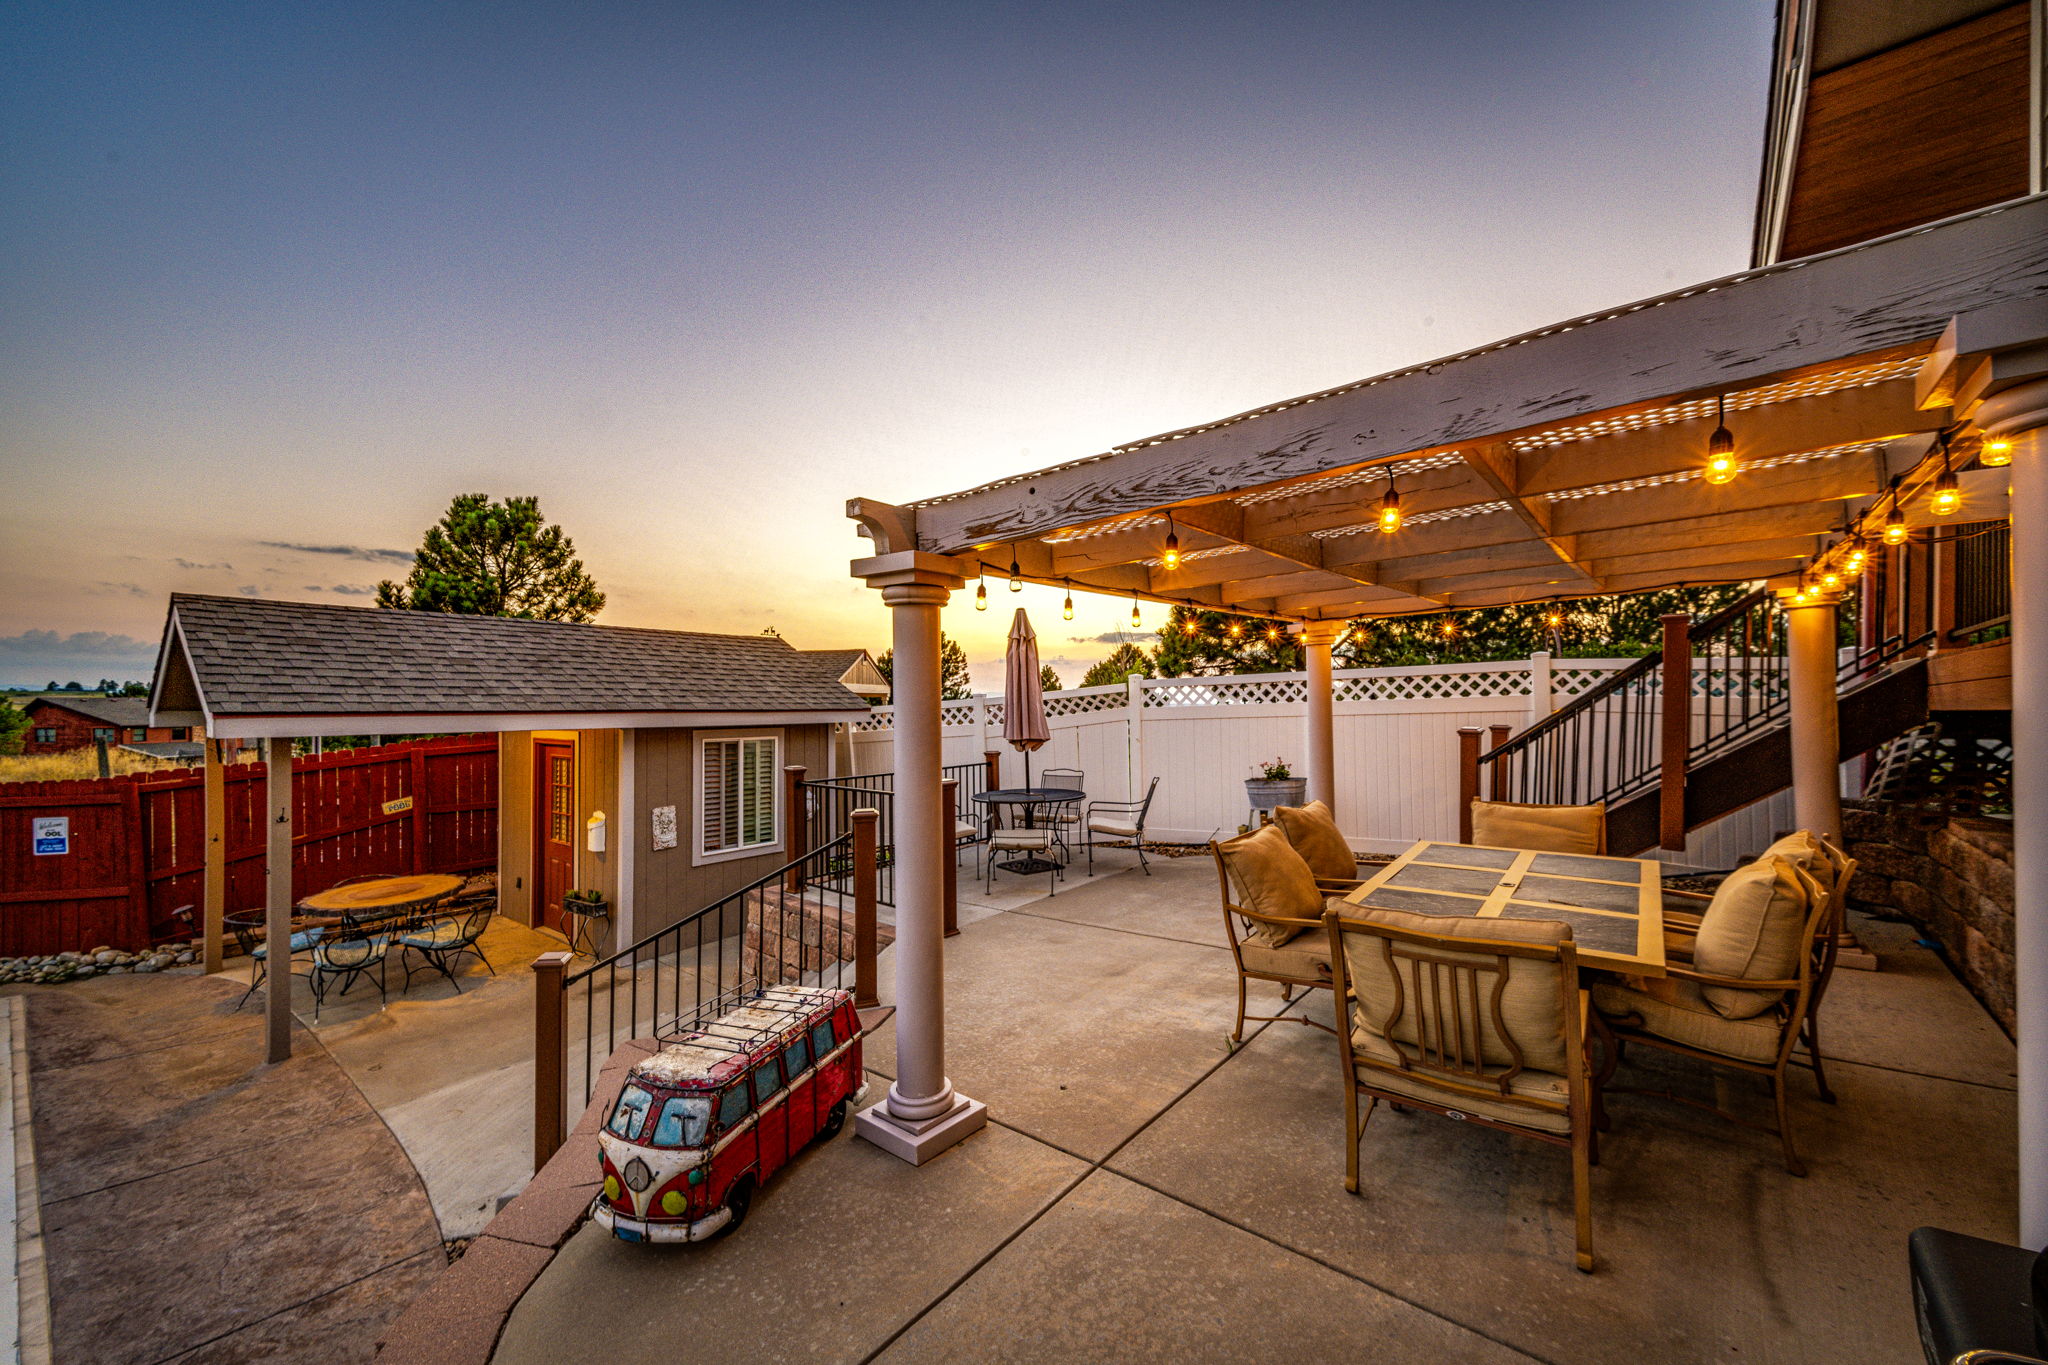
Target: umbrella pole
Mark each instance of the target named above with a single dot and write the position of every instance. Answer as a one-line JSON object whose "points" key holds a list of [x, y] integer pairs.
{"points": [[1027, 770]]}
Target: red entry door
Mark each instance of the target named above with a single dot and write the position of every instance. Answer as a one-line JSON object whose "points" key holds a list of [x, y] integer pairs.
{"points": [[554, 830]]}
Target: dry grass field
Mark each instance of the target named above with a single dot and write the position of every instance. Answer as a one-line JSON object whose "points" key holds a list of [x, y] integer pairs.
{"points": [[75, 763]]}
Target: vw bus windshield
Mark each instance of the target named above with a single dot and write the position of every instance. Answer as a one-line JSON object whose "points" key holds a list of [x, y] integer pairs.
{"points": [[631, 1112], [683, 1121]]}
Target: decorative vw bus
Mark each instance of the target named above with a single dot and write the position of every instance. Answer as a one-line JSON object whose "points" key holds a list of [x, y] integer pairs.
{"points": [[702, 1123]]}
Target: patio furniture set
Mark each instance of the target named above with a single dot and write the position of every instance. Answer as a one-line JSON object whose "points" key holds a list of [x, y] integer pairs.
{"points": [[1039, 827], [347, 932], [1479, 977]]}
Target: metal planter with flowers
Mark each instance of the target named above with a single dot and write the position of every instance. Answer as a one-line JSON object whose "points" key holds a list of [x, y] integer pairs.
{"points": [[1276, 785]]}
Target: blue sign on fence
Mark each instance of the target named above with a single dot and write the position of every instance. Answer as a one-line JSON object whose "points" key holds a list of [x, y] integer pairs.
{"points": [[51, 833]]}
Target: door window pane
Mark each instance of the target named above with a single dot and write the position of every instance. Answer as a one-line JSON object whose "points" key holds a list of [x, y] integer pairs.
{"points": [[734, 1106], [798, 1057]]}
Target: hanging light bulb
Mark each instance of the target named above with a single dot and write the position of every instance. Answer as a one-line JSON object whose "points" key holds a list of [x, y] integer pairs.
{"points": [[1997, 450], [1721, 462], [1450, 628], [1859, 555], [1136, 620], [1193, 627], [1169, 559], [1946, 497], [1831, 581], [1272, 634], [1390, 507], [1553, 618], [1016, 574], [1237, 630], [1895, 520], [981, 592], [1067, 607]]}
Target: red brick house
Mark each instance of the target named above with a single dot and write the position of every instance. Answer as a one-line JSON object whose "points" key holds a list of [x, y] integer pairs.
{"points": [[74, 723]]}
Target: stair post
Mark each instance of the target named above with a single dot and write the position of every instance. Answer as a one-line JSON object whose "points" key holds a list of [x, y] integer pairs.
{"points": [[1676, 730], [547, 1055], [799, 823], [865, 994], [1468, 779], [1496, 786]]}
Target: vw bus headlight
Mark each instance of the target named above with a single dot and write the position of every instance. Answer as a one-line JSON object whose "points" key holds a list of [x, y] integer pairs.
{"points": [[673, 1203]]}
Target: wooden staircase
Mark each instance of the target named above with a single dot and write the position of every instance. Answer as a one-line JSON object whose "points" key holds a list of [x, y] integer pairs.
{"points": [[1691, 734]]}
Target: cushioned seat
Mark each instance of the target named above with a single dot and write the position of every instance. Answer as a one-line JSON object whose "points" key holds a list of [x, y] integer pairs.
{"points": [[1020, 838], [436, 935], [1122, 829], [1303, 959], [1546, 1086], [1675, 1009], [301, 941], [1547, 829], [963, 830], [348, 953]]}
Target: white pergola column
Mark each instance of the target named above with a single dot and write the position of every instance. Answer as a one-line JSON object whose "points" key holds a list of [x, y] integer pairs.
{"points": [[1816, 720], [2020, 415], [1317, 640], [922, 1114], [277, 902]]}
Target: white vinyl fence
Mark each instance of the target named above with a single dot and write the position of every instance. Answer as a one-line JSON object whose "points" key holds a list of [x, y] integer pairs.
{"points": [[1396, 746]]}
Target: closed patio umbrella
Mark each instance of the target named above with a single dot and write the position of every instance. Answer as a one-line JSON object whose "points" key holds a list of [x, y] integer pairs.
{"points": [[1023, 698]]}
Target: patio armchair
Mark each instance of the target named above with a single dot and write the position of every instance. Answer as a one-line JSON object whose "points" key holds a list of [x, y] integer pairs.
{"points": [[1272, 919], [1480, 1020], [1545, 828], [1741, 999], [1038, 842], [1314, 834], [1120, 820], [445, 940], [248, 929], [1066, 817], [345, 958]]}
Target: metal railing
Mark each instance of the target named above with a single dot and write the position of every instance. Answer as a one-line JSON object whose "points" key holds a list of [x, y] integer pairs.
{"points": [[811, 921], [828, 805], [1983, 569]]}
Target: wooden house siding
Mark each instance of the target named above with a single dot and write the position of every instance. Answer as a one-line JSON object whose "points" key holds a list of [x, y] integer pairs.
{"points": [[76, 730]]}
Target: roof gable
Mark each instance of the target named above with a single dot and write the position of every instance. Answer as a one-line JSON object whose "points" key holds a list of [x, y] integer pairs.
{"points": [[122, 711]]}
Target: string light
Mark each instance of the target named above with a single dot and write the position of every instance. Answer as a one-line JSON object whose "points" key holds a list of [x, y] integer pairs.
{"points": [[1170, 558], [1946, 497], [1136, 620], [1721, 462], [981, 591], [1016, 575], [1067, 607], [1390, 507], [1450, 628], [1997, 450], [1553, 617], [1193, 627], [1895, 520], [1831, 581], [1237, 630], [1272, 634], [1859, 555]]}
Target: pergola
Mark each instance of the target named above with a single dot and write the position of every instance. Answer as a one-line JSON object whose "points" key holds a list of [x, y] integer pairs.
{"points": [[1565, 462]]}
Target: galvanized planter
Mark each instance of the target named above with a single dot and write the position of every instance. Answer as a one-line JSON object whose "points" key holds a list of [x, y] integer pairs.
{"points": [[1264, 793]]}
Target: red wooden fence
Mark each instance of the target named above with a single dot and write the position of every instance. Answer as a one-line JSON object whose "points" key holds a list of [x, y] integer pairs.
{"points": [[138, 843]]}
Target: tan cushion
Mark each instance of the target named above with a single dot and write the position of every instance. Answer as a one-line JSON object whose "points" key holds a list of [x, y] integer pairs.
{"points": [[1802, 849], [1021, 838], [1670, 1007], [1754, 928], [1547, 829], [1531, 1004], [1122, 829], [965, 831], [1546, 1086], [1306, 958], [1271, 879], [1315, 837]]}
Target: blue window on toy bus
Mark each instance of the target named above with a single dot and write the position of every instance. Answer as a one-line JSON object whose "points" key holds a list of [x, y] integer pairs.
{"points": [[683, 1121], [798, 1057], [631, 1112], [821, 1039], [767, 1080], [734, 1106]]}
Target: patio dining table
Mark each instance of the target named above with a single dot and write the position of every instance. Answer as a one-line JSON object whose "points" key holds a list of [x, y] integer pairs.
{"points": [[382, 898], [1028, 800], [1615, 906]]}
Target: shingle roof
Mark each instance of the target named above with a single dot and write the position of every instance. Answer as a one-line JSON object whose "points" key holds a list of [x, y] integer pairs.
{"points": [[257, 657], [835, 662], [124, 711], [176, 751]]}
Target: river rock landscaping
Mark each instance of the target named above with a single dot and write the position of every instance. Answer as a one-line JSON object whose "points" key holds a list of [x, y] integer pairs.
{"points": [[52, 968]]}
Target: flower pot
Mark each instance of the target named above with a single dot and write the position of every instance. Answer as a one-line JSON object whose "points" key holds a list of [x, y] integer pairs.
{"points": [[1264, 793]]}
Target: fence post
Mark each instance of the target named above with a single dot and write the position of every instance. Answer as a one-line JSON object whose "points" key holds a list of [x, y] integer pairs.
{"points": [[864, 990], [981, 722], [1541, 686], [548, 1048], [1468, 779], [994, 759], [949, 811], [1134, 732], [417, 760], [1677, 730], [799, 841], [213, 886], [1495, 787]]}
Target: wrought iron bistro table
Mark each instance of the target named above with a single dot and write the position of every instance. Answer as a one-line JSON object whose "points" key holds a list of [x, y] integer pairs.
{"points": [[1029, 799], [379, 898], [1615, 906]]}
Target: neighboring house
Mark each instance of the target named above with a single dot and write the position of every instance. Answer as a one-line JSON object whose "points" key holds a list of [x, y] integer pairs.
{"points": [[593, 721], [76, 722], [853, 669]]}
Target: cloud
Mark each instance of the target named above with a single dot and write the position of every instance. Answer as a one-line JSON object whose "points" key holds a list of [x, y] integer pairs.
{"points": [[103, 588], [345, 589], [1112, 637], [35, 656], [375, 556], [189, 564], [250, 590]]}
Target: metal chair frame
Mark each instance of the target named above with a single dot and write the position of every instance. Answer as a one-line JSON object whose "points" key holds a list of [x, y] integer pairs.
{"points": [[1237, 916], [476, 915], [1121, 808]]}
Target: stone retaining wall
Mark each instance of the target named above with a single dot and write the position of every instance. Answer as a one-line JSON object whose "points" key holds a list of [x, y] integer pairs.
{"points": [[1949, 875]]}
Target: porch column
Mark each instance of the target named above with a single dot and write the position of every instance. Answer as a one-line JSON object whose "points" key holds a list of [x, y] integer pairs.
{"points": [[277, 884], [922, 1115], [1317, 639], [1816, 727], [2020, 415]]}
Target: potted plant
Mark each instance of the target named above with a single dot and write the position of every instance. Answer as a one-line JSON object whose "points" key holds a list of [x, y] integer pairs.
{"points": [[584, 903], [1276, 785]]}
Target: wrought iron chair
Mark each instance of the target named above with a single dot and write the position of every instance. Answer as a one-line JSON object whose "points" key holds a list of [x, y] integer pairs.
{"points": [[448, 938], [1480, 1020], [343, 959], [248, 929], [1064, 818], [1121, 820], [1035, 841]]}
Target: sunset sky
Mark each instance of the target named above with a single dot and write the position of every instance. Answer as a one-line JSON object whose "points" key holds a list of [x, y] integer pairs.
{"points": [[280, 280]]}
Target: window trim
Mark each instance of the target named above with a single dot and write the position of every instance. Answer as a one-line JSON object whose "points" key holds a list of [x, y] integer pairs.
{"points": [[44, 734], [700, 855]]}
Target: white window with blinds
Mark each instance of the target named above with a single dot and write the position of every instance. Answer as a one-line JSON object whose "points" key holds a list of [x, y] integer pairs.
{"points": [[736, 796]]}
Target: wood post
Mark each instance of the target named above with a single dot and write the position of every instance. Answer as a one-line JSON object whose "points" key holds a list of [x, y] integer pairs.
{"points": [[796, 811], [994, 759], [549, 1045], [418, 764], [865, 993], [214, 885], [1496, 788], [1676, 736], [1468, 779], [949, 812], [277, 881]]}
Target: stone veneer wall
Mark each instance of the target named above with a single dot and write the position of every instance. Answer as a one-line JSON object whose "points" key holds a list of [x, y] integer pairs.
{"points": [[1951, 876]]}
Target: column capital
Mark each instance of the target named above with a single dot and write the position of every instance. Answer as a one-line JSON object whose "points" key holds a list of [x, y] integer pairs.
{"points": [[1319, 633], [913, 567], [2023, 407]]}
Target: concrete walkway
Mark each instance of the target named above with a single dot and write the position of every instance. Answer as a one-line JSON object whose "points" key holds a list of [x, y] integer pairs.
{"points": [[199, 1204], [1145, 1194]]}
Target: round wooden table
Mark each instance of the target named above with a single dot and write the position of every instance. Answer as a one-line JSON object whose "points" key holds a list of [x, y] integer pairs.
{"points": [[382, 897]]}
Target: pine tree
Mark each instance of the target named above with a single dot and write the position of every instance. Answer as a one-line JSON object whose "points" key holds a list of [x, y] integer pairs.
{"points": [[485, 558]]}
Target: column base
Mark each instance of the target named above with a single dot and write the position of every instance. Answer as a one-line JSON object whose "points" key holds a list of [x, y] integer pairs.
{"points": [[919, 1142]]}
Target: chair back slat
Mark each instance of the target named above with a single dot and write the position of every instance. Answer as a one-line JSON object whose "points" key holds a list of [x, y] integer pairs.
{"points": [[1445, 1006]]}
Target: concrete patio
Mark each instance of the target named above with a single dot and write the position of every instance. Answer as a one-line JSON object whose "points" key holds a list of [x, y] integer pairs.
{"points": [[1145, 1193]]}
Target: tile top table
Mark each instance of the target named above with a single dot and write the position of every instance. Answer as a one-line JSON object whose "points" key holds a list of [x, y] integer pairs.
{"points": [[1615, 906]]}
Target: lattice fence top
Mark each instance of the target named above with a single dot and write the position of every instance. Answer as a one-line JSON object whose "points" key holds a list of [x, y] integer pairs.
{"points": [[1431, 686], [1084, 703], [957, 713], [1279, 689], [1569, 682], [884, 719]]}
